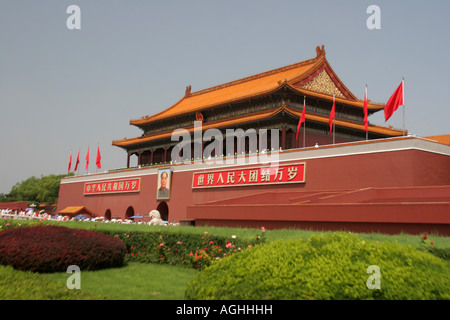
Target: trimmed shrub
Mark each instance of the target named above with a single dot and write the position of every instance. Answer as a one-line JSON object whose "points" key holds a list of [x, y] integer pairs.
{"points": [[324, 267], [54, 248]]}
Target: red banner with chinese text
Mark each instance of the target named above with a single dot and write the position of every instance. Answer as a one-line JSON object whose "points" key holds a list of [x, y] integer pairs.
{"points": [[291, 173], [114, 186]]}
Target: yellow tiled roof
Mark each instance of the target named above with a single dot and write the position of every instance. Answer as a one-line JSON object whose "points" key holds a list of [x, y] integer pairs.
{"points": [[74, 210], [232, 91], [444, 139], [252, 86]]}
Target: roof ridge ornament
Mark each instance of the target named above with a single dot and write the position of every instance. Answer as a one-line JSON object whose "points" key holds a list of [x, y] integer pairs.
{"points": [[282, 82], [320, 51], [188, 91]]}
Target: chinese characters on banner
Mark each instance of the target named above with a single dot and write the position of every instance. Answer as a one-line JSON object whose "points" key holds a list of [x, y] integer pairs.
{"points": [[116, 186], [292, 173]]}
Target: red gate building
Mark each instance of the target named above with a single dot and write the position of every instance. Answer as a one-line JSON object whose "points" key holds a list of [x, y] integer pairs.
{"points": [[325, 176]]}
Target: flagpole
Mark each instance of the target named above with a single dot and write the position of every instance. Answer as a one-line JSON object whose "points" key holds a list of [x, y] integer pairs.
{"points": [[367, 131], [334, 123], [304, 125], [334, 131], [87, 161], [70, 162], [96, 170], [403, 98], [304, 135]]}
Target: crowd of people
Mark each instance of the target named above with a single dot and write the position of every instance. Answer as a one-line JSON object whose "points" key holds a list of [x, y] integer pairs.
{"points": [[42, 215], [29, 214]]}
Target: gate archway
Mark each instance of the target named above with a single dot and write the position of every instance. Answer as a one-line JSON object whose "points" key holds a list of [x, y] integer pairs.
{"points": [[163, 209], [129, 213], [108, 214]]}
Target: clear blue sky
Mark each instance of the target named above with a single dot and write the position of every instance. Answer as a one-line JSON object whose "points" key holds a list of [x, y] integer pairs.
{"points": [[63, 90]]}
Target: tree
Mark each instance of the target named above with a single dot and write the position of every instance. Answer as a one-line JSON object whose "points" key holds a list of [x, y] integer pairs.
{"points": [[40, 190]]}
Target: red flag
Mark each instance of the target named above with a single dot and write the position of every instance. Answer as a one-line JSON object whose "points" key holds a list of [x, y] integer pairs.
{"points": [[330, 121], [394, 102], [78, 161], [97, 161], [70, 161], [87, 159], [366, 122], [302, 119]]}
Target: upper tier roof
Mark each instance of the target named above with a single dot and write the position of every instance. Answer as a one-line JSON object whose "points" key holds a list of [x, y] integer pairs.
{"points": [[312, 77]]}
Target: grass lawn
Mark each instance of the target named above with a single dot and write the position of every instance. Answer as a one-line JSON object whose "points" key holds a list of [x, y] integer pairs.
{"points": [[134, 281]]}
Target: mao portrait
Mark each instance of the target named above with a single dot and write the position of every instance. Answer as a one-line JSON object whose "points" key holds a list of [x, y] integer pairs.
{"points": [[164, 178]]}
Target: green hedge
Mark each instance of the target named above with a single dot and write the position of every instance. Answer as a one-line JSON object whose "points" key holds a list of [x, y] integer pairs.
{"points": [[326, 266]]}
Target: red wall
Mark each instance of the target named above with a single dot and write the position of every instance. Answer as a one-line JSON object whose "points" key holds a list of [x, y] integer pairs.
{"points": [[388, 210], [384, 169], [19, 205]]}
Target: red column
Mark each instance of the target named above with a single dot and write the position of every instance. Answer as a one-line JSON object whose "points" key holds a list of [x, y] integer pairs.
{"points": [[283, 137]]}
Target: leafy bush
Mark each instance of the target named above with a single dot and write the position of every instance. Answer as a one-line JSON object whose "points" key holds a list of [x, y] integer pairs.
{"points": [[326, 266], [54, 248]]}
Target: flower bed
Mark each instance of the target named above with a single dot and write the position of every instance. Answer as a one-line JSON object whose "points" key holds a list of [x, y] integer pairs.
{"points": [[192, 250]]}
